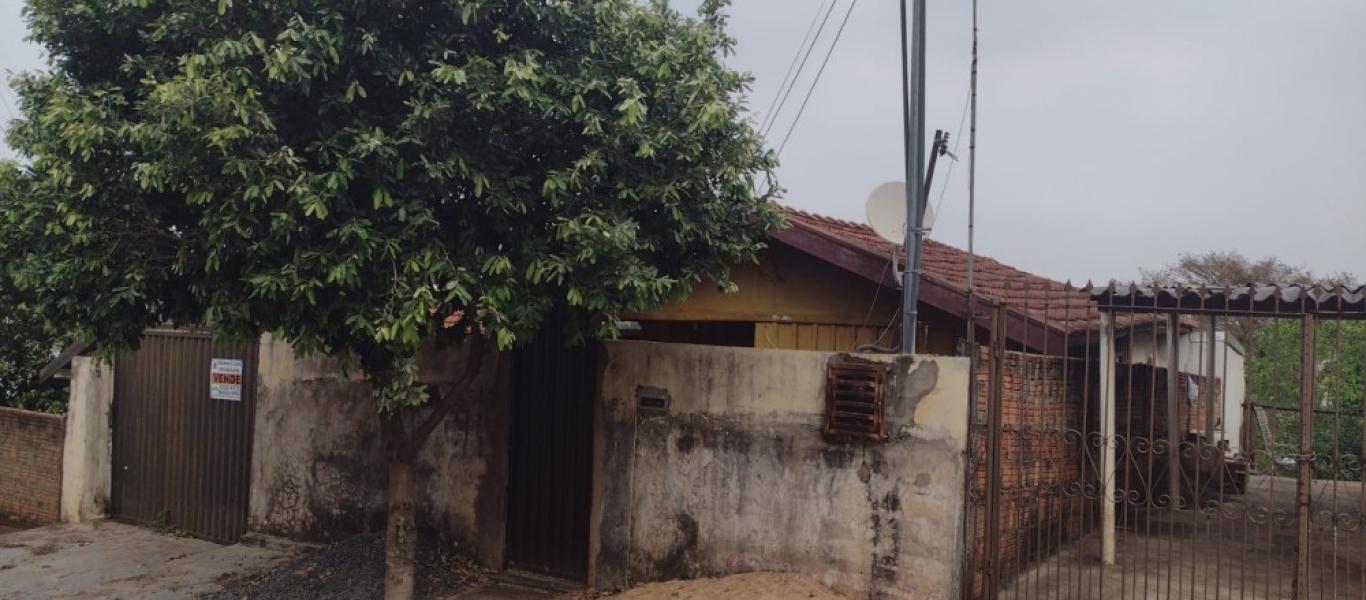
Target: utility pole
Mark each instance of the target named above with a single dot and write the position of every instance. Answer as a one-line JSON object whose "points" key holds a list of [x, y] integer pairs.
{"points": [[913, 118]]}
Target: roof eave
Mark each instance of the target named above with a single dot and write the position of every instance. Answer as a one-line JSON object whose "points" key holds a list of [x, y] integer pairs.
{"points": [[857, 260]]}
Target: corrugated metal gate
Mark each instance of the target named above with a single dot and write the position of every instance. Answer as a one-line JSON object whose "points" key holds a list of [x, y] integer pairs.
{"points": [[182, 459], [550, 467]]}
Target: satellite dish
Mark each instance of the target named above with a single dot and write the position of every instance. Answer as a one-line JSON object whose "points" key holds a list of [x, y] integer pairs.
{"points": [[887, 212]]}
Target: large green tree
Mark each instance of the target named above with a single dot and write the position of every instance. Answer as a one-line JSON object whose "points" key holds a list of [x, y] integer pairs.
{"points": [[27, 341], [1273, 379], [348, 174], [27, 345]]}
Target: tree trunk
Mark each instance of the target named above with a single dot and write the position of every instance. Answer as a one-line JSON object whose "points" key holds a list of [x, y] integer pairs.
{"points": [[400, 537], [401, 446]]}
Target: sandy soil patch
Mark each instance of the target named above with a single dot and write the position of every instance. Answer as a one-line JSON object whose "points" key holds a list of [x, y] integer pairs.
{"points": [[748, 586]]}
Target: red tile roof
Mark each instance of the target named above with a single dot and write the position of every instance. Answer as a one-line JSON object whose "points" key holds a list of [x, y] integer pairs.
{"points": [[1057, 305]]}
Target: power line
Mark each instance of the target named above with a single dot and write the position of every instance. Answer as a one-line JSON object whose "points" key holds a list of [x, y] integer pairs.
{"points": [[817, 80], [957, 139], [765, 131], [796, 56]]}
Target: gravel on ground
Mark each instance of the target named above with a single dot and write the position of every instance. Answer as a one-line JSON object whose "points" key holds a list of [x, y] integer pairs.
{"points": [[353, 569]]}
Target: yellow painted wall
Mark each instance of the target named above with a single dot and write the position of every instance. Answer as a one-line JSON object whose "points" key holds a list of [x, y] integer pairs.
{"points": [[791, 286], [811, 336], [799, 302]]}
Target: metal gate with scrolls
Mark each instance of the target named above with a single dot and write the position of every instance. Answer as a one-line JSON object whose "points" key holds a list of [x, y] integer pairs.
{"points": [[1152, 454]]}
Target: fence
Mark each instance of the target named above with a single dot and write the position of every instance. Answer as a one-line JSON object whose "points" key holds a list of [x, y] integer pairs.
{"points": [[1159, 503], [1041, 401]]}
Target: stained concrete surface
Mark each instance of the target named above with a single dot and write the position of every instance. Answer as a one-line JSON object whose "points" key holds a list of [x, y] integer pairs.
{"points": [[323, 478], [736, 476], [105, 560]]}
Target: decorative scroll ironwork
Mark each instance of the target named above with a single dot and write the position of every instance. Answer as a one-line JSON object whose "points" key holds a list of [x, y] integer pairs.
{"points": [[1201, 508]]}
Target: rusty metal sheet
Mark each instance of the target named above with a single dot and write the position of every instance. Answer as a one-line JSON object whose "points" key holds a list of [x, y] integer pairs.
{"points": [[182, 459]]}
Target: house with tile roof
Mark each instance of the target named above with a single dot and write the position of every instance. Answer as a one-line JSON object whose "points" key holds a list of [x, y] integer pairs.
{"points": [[829, 284]]}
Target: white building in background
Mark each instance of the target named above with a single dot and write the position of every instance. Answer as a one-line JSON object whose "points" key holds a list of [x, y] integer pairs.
{"points": [[1229, 369]]}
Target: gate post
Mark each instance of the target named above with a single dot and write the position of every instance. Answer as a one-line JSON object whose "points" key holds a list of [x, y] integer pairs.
{"points": [[1174, 433], [991, 527], [1107, 438], [1305, 458]]}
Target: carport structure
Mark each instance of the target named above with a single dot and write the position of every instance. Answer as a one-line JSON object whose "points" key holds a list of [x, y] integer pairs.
{"points": [[1138, 496]]}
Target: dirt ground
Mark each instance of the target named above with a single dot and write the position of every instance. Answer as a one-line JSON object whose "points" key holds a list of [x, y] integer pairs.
{"points": [[1216, 553], [747, 586], [352, 569]]}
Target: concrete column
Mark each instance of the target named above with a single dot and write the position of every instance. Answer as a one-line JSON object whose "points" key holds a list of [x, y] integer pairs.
{"points": [[1107, 437], [87, 453]]}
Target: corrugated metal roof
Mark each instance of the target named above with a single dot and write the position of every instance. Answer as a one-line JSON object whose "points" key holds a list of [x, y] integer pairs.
{"points": [[1261, 300]]}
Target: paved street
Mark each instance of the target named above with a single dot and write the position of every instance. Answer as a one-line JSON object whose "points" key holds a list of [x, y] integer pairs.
{"points": [[111, 560]]}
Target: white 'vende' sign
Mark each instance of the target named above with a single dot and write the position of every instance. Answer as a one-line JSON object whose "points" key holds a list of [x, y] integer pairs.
{"points": [[225, 379]]}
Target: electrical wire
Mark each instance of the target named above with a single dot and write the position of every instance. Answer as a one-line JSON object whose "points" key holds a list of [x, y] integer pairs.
{"points": [[800, 67], [957, 139], [873, 345], [769, 114], [817, 80], [868, 315]]}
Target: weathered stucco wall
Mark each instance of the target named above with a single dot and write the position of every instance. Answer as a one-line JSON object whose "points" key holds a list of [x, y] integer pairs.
{"points": [[737, 477], [88, 448], [318, 469]]}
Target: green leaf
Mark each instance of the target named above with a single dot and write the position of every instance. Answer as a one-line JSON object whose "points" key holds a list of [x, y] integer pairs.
{"points": [[217, 171]]}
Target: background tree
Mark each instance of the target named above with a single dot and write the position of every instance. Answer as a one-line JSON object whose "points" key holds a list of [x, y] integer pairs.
{"points": [[27, 344], [1273, 380], [1232, 268], [348, 174], [1273, 357], [27, 341], [1225, 269]]}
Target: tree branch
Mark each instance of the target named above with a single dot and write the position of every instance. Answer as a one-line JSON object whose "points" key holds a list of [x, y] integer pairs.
{"points": [[445, 398]]}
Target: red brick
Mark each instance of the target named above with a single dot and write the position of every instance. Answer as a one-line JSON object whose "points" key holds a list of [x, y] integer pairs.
{"points": [[31, 465]]}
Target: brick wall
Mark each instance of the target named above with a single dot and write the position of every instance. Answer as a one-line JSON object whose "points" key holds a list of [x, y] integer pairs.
{"points": [[31, 465], [1047, 479], [1050, 450]]}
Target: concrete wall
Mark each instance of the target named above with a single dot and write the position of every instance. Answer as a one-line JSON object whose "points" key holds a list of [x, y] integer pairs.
{"points": [[318, 469], [736, 476], [88, 453], [31, 465]]}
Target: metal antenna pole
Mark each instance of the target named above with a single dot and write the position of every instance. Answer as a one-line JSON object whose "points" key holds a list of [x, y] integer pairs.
{"points": [[971, 342], [913, 117]]}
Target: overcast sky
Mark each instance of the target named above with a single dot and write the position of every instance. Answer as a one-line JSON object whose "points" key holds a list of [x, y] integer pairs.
{"points": [[1112, 135]]}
